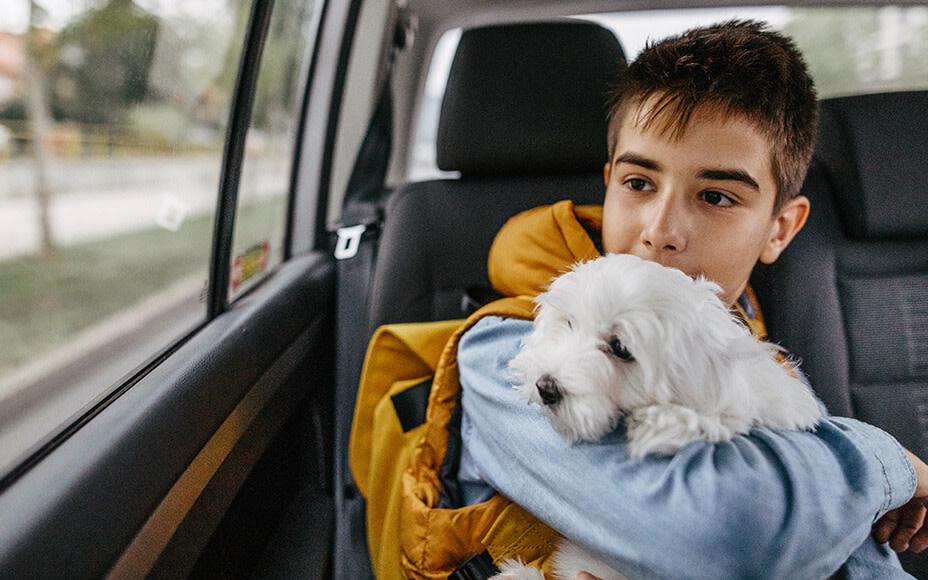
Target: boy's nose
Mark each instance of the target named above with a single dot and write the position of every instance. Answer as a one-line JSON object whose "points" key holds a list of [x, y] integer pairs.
{"points": [[663, 227]]}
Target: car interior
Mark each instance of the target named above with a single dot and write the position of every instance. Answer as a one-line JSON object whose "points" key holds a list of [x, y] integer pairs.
{"points": [[227, 454], [848, 296]]}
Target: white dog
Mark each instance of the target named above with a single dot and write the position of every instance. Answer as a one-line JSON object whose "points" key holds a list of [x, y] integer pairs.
{"points": [[620, 337]]}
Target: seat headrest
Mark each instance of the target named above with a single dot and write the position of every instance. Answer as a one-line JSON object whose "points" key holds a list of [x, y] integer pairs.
{"points": [[529, 98], [877, 157]]}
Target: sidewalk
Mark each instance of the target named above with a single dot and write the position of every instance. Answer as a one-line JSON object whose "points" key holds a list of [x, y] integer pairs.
{"points": [[79, 217], [105, 197]]}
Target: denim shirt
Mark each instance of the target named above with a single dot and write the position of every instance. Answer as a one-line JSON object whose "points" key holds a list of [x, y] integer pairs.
{"points": [[770, 504]]}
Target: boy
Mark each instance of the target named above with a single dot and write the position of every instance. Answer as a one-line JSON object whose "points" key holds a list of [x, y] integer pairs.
{"points": [[711, 134]]}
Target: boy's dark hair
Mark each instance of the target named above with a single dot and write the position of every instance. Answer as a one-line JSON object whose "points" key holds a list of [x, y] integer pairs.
{"points": [[738, 68]]}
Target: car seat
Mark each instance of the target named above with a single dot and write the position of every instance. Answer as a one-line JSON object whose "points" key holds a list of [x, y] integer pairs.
{"points": [[523, 121], [849, 296]]}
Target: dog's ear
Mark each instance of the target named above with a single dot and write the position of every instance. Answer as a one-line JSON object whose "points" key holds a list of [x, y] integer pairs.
{"points": [[545, 313], [695, 369], [542, 303]]}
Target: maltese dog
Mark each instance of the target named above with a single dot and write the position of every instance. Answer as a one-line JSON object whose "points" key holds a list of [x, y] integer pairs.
{"points": [[619, 338]]}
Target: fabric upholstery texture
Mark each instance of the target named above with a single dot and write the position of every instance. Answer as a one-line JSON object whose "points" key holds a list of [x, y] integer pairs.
{"points": [[849, 296], [528, 98], [437, 237], [877, 163], [507, 128]]}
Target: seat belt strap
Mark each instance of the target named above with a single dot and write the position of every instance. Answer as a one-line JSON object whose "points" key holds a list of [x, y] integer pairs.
{"points": [[355, 250], [479, 567]]}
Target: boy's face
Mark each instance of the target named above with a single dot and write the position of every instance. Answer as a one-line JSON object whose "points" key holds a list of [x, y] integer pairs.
{"points": [[701, 201]]}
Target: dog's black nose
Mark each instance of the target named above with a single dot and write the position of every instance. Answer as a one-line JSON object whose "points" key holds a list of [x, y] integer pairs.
{"points": [[548, 389]]}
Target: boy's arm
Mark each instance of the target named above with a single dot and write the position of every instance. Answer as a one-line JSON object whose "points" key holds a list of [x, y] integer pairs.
{"points": [[904, 527], [773, 504]]}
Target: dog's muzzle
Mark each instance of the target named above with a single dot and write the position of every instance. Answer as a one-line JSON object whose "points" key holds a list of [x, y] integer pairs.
{"points": [[548, 390]]}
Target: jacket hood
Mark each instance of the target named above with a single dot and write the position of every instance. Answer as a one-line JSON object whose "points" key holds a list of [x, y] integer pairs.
{"points": [[538, 245]]}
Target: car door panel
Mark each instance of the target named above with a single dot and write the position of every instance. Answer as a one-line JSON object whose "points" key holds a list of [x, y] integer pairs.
{"points": [[115, 492]]}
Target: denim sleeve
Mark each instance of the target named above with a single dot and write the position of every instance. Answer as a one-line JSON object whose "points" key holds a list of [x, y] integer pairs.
{"points": [[771, 504], [872, 561]]}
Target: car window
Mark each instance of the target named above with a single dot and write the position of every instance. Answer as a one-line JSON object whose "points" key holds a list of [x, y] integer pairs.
{"points": [[113, 118], [849, 50], [261, 214]]}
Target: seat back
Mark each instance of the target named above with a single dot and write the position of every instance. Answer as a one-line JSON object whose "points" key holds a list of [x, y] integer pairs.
{"points": [[849, 297], [523, 121]]}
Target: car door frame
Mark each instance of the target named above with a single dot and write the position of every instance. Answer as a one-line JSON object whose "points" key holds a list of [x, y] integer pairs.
{"points": [[139, 482]]}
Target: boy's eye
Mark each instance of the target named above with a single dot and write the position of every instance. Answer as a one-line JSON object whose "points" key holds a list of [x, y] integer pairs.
{"points": [[639, 184], [717, 198]]}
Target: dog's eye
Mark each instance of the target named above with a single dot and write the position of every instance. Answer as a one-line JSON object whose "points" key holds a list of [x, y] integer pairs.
{"points": [[570, 324], [619, 349]]}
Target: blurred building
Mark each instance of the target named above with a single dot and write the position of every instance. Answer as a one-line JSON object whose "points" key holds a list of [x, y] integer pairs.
{"points": [[12, 60]]}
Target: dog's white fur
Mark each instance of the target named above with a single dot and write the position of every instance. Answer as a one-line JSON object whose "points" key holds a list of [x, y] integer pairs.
{"points": [[691, 372], [569, 560], [697, 373]]}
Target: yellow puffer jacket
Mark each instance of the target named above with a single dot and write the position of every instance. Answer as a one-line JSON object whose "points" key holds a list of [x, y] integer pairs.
{"points": [[399, 470]]}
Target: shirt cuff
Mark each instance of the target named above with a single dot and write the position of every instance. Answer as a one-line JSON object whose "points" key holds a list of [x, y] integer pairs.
{"points": [[898, 475]]}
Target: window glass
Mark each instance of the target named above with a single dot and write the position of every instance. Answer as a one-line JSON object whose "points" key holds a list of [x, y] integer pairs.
{"points": [[261, 214], [864, 49], [423, 163], [849, 50], [112, 121]]}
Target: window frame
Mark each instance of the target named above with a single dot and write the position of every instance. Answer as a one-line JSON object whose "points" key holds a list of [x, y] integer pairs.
{"points": [[80, 501]]}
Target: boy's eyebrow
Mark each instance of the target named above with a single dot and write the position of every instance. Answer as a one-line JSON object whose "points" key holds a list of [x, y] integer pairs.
{"points": [[729, 175], [639, 160], [714, 174]]}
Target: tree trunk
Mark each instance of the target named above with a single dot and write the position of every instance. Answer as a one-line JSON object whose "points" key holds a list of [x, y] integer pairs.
{"points": [[40, 123]]}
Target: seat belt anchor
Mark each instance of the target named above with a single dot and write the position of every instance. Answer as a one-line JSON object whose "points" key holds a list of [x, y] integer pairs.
{"points": [[349, 239]]}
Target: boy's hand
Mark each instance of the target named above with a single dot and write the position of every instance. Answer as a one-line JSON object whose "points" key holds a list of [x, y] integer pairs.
{"points": [[904, 527]]}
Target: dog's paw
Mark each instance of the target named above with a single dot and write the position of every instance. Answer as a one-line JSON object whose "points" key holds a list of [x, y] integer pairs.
{"points": [[665, 429], [516, 570]]}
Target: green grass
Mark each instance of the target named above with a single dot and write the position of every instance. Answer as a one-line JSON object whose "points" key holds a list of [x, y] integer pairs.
{"points": [[45, 302]]}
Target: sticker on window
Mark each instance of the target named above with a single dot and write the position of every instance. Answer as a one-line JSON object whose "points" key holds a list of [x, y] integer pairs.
{"points": [[250, 263]]}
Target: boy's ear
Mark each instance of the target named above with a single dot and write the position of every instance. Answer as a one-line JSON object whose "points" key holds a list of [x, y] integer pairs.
{"points": [[785, 226], [607, 171]]}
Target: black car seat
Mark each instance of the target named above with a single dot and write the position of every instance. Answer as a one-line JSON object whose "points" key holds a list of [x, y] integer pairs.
{"points": [[523, 121], [849, 296]]}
